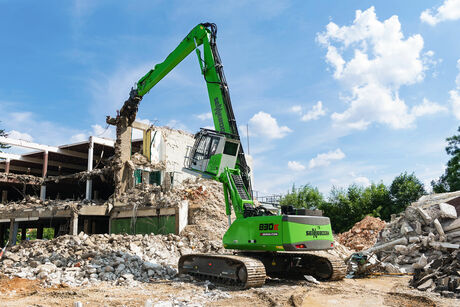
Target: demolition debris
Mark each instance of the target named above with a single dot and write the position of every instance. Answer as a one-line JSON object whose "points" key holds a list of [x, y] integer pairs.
{"points": [[363, 234]]}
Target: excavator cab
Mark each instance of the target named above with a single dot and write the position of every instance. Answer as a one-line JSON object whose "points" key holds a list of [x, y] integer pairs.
{"points": [[212, 152]]}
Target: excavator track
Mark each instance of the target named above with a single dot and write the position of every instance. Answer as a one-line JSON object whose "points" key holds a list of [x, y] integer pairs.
{"points": [[320, 264], [240, 271], [339, 268]]}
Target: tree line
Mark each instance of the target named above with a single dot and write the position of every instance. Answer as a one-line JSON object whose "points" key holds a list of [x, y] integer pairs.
{"points": [[347, 206]]}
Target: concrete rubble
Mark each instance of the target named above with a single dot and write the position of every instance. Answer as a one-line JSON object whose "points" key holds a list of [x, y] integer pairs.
{"points": [[33, 202], [424, 240], [363, 234], [118, 259], [122, 259], [125, 259]]}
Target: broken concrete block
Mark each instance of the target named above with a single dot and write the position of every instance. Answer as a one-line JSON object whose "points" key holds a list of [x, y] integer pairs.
{"points": [[401, 249], [376, 248], [406, 228], [448, 211], [311, 279], [447, 245], [454, 225], [422, 262], [453, 235], [418, 227], [426, 285], [438, 227], [426, 218], [390, 268]]}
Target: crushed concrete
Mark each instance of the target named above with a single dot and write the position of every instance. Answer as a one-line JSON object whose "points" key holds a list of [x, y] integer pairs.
{"points": [[363, 234], [33, 202], [424, 240], [20, 178], [118, 259]]}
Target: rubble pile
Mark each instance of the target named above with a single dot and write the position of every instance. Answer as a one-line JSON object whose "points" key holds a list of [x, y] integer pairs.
{"points": [[20, 178], [424, 239], [207, 217], [140, 159], [118, 259], [33, 202], [363, 234], [104, 174], [440, 275]]}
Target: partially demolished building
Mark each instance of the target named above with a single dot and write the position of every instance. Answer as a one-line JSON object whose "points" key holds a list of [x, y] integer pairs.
{"points": [[96, 186]]}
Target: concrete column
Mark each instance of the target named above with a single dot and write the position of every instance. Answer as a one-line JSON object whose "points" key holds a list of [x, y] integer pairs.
{"points": [[2, 235], [110, 224], [45, 164], [89, 182], [86, 226], [40, 231], [23, 234], [44, 174], [7, 166], [43, 192], [13, 232], [74, 225], [4, 197]]}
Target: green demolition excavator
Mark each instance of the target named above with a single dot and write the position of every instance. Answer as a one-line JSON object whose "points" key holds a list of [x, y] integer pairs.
{"points": [[283, 245]]}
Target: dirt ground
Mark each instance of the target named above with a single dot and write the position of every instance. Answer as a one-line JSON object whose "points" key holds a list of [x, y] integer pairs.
{"points": [[377, 291]]}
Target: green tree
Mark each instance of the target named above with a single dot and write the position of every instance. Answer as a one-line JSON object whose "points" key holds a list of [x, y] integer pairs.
{"points": [[339, 209], [375, 198], [450, 180], [405, 189], [306, 196]]}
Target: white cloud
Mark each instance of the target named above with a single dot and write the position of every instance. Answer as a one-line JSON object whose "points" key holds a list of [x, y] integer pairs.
{"points": [[316, 112], [455, 101], [296, 109], [263, 124], [361, 180], [14, 134], [325, 159], [296, 166], [204, 116], [449, 10], [427, 108], [380, 61], [455, 95]]}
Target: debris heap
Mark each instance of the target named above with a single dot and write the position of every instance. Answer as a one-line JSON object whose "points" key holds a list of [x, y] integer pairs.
{"points": [[424, 239], [363, 234], [33, 202], [118, 259]]}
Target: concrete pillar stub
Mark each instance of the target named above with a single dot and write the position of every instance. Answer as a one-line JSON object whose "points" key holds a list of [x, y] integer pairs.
{"points": [[13, 232], [4, 196], [74, 224], [40, 231], [43, 192], [7, 166]]}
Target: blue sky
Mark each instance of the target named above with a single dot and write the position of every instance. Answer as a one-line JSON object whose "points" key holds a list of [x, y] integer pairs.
{"points": [[334, 92]]}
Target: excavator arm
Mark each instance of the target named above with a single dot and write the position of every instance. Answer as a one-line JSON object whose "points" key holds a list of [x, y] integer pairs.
{"points": [[212, 70]]}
